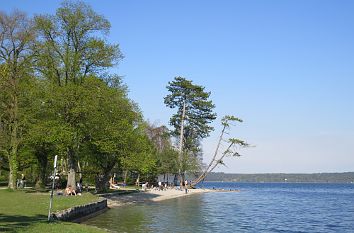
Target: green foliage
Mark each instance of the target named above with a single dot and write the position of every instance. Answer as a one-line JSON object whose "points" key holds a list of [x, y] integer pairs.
{"points": [[167, 156], [57, 99], [72, 44], [109, 127], [141, 157], [168, 161], [17, 37], [72, 49], [198, 111]]}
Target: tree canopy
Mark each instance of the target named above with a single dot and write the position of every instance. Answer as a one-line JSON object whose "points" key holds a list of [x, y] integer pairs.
{"points": [[198, 114], [59, 96]]}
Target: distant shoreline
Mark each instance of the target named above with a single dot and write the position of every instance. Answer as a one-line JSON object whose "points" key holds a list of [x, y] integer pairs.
{"points": [[344, 177], [276, 182]]}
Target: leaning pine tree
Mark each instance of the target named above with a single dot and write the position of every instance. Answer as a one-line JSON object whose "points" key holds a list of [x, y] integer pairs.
{"points": [[231, 148], [192, 121]]}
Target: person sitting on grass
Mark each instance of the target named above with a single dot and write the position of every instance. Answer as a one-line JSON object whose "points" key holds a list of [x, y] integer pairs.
{"points": [[145, 186], [112, 184], [70, 191]]}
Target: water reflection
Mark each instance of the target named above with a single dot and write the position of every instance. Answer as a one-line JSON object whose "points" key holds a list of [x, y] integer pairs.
{"points": [[257, 208], [170, 215]]}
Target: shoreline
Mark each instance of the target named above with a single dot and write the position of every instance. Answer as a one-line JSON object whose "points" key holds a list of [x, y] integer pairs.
{"points": [[130, 198], [151, 196]]}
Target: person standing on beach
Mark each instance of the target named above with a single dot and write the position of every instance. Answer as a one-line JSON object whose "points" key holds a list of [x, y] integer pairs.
{"points": [[186, 186]]}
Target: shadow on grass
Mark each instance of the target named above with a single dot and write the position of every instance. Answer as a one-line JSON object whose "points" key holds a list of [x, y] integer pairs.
{"points": [[9, 223]]}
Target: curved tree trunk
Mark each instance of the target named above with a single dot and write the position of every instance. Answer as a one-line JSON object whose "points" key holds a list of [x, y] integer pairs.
{"points": [[206, 171]]}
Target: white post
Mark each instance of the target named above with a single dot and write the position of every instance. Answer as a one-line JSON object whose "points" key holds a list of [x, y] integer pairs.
{"points": [[51, 194]]}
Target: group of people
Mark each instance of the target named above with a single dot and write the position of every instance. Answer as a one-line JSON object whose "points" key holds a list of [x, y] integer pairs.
{"points": [[70, 191], [163, 186]]}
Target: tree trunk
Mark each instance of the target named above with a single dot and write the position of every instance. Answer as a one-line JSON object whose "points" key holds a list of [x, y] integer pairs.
{"points": [[13, 148], [137, 182], [181, 138], [71, 166], [102, 184], [206, 171], [125, 176], [43, 163], [13, 170], [79, 169]]}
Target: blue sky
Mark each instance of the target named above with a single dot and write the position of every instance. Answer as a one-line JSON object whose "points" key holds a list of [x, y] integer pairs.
{"points": [[285, 67]]}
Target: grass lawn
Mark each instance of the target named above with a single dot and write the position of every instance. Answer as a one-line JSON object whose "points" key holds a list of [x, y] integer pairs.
{"points": [[27, 211]]}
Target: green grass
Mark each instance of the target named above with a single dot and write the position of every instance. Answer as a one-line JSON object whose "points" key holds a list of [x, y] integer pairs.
{"points": [[27, 211], [59, 227]]}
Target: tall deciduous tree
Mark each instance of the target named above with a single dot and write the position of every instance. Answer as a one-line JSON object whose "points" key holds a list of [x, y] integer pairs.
{"points": [[167, 155], [16, 38], [141, 157], [194, 114], [71, 47], [109, 127]]}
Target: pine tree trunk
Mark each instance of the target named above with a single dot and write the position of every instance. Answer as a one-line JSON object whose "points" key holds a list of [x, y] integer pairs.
{"points": [[181, 140], [206, 171]]}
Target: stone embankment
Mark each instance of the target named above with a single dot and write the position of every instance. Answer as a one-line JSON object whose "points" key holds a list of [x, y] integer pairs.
{"points": [[80, 213]]}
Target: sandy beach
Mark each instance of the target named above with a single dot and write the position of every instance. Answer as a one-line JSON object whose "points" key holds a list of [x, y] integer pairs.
{"points": [[151, 195]]}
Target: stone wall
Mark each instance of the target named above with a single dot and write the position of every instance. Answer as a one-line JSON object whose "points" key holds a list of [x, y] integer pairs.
{"points": [[78, 212]]}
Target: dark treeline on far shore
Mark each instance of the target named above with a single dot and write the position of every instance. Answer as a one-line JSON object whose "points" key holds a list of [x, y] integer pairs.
{"points": [[345, 177]]}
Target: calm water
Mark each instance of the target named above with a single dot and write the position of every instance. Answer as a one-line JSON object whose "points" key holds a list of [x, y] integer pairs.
{"points": [[257, 208]]}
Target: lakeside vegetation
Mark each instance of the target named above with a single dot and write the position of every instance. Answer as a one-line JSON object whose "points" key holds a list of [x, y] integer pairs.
{"points": [[344, 177], [60, 99]]}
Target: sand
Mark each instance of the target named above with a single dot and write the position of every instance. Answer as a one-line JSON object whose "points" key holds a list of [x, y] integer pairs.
{"points": [[151, 195]]}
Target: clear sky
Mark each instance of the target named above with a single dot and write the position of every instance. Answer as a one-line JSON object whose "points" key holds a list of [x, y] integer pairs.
{"points": [[285, 67]]}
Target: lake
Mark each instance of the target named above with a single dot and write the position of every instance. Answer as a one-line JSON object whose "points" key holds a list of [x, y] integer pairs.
{"points": [[258, 207]]}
